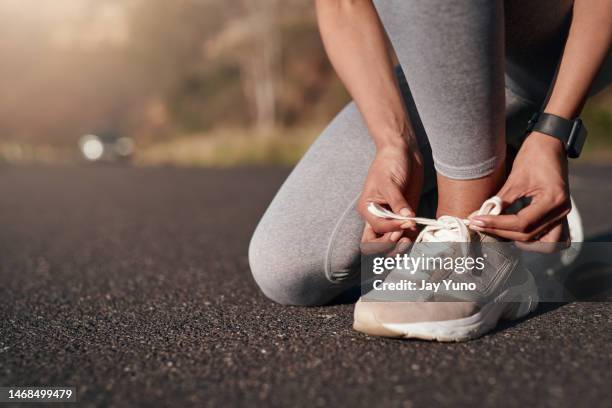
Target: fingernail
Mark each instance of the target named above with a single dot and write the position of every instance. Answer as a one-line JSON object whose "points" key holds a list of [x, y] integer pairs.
{"points": [[395, 235], [476, 222], [407, 225], [476, 228], [403, 244], [406, 212]]}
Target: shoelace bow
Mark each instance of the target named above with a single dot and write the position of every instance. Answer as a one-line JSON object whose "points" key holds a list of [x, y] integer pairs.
{"points": [[444, 229]]}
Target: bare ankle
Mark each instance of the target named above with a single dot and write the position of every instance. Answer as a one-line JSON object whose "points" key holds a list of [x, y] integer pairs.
{"points": [[460, 198]]}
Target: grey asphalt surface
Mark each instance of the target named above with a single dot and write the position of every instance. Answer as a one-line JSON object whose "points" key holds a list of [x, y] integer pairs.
{"points": [[132, 284]]}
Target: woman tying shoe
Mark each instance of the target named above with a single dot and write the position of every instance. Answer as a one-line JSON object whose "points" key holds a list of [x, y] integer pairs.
{"points": [[445, 125]]}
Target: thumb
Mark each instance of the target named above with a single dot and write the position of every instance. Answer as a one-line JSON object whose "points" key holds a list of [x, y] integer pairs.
{"points": [[398, 202]]}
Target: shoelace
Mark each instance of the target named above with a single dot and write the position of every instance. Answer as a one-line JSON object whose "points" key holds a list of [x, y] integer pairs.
{"points": [[444, 229]]}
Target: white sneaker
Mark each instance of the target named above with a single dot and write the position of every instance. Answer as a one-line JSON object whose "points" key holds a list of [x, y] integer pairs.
{"points": [[504, 288]]}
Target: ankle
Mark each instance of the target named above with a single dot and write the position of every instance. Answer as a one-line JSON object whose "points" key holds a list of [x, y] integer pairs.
{"points": [[460, 198]]}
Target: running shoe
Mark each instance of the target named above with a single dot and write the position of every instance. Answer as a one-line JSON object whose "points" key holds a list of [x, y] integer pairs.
{"points": [[475, 301]]}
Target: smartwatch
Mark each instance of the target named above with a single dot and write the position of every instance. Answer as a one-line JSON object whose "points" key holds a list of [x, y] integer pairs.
{"points": [[572, 133]]}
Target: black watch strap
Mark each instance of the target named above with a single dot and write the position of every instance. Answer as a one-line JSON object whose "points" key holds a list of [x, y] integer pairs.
{"points": [[571, 132]]}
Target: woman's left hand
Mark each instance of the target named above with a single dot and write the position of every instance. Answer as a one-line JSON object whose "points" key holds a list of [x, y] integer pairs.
{"points": [[539, 173]]}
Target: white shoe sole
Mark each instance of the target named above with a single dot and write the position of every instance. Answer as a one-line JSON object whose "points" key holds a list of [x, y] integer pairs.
{"points": [[576, 232], [512, 304]]}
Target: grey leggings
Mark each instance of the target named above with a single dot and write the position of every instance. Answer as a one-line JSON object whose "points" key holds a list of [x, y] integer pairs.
{"points": [[454, 53]]}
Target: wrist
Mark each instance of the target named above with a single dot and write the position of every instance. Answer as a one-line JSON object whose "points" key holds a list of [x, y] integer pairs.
{"points": [[564, 111], [395, 140]]}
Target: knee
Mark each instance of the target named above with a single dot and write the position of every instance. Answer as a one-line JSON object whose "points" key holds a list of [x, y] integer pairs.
{"points": [[285, 275]]}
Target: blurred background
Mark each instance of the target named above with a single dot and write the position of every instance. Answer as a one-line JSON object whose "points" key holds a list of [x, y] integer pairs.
{"points": [[182, 82]]}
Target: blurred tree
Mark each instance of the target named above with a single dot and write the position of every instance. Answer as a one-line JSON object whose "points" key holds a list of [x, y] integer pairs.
{"points": [[252, 39], [156, 68]]}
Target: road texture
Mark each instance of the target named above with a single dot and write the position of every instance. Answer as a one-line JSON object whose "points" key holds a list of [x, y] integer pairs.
{"points": [[133, 285]]}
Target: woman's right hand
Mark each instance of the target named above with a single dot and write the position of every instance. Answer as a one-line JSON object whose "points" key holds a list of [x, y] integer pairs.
{"points": [[357, 46], [395, 180]]}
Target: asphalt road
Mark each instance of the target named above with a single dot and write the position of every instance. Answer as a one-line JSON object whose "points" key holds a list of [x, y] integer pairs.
{"points": [[133, 285]]}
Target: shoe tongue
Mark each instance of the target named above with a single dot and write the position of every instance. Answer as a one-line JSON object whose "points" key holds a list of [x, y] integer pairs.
{"points": [[492, 206], [442, 236], [449, 229]]}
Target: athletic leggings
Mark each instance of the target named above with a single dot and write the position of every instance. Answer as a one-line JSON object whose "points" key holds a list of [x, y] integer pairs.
{"points": [[461, 58]]}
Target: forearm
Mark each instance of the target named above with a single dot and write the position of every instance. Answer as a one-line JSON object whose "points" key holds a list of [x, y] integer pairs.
{"points": [[587, 45], [356, 44]]}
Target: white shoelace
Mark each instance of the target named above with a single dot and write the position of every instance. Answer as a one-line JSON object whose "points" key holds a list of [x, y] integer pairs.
{"points": [[446, 228]]}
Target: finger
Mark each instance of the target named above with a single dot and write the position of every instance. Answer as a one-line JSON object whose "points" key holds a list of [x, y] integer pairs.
{"points": [[369, 237], [548, 243], [398, 203], [529, 223], [523, 221], [539, 247], [557, 234], [379, 225], [522, 236], [368, 233], [401, 247], [383, 226], [395, 236], [410, 231], [373, 243], [565, 234]]}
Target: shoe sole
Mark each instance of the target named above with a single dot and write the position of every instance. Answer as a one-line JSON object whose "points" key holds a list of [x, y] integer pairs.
{"points": [[512, 304]]}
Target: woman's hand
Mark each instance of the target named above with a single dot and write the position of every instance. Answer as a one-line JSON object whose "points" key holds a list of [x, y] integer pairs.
{"points": [[540, 169], [357, 46], [539, 173], [395, 179]]}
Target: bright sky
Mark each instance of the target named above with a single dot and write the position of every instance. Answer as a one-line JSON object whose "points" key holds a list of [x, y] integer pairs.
{"points": [[68, 23]]}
